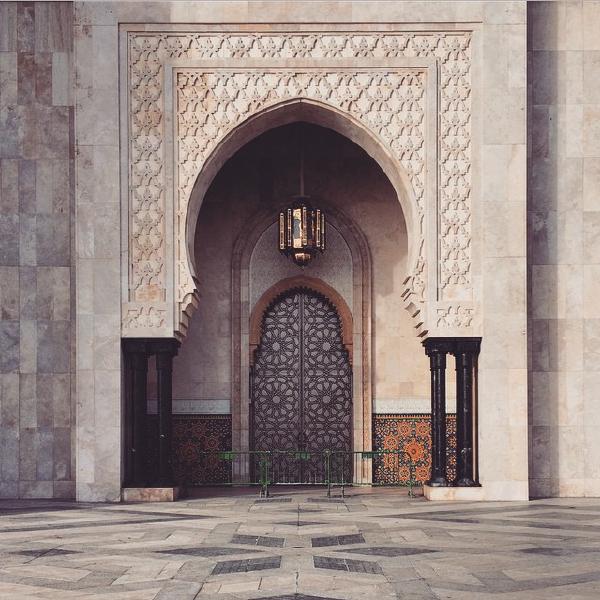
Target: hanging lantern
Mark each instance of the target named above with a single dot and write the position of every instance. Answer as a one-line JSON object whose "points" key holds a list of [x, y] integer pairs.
{"points": [[301, 227], [301, 231]]}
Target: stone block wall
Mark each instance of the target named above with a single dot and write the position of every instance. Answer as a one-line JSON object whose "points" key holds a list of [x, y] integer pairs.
{"points": [[564, 247], [36, 275]]}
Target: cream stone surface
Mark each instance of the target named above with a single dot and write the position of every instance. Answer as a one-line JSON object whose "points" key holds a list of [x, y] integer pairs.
{"points": [[564, 247], [155, 494], [452, 494], [334, 267]]}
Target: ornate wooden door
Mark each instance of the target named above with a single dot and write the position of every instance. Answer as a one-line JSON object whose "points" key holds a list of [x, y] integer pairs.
{"points": [[302, 384]]}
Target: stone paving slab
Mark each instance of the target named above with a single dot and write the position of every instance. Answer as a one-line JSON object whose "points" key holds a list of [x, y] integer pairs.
{"points": [[376, 544]]}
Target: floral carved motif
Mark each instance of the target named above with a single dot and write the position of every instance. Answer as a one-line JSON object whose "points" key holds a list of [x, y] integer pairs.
{"points": [[212, 100]]}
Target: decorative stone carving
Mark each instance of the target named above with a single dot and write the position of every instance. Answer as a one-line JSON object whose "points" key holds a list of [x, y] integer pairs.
{"points": [[211, 101], [144, 317], [455, 317], [390, 103]]}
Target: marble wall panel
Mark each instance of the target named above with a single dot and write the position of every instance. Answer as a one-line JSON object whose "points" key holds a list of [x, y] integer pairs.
{"points": [[36, 278], [564, 246], [95, 93]]}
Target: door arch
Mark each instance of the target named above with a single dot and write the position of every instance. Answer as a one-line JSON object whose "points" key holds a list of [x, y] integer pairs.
{"points": [[301, 382]]}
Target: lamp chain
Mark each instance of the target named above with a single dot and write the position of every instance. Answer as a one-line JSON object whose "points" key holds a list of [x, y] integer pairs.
{"points": [[301, 163]]}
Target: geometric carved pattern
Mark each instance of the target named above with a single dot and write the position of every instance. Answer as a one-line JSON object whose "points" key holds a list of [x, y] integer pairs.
{"points": [[390, 102], [302, 384], [412, 434], [276, 379]]}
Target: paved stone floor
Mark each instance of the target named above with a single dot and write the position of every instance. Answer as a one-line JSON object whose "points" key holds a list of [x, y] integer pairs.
{"points": [[372, 544]]}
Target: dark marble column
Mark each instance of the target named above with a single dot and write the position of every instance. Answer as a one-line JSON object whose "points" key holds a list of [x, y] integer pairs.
{"points": [[466, 352], [165, 350], [136, 375], [436, 349]]}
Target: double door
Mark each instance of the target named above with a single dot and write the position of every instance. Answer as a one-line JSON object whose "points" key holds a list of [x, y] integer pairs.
{"points": [[302, 388]]}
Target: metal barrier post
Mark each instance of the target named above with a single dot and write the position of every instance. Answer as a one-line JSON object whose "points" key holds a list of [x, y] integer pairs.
{"points": [[343, 473], [328, 472], [264, 475]]}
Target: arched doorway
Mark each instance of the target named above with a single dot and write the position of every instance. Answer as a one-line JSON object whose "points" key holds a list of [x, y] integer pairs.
{"points": [[301, 391], [236, 233]]}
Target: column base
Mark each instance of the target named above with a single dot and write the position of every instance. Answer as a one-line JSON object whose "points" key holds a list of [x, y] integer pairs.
{"points": [[150, 494], [439, 482], [451, 494]]}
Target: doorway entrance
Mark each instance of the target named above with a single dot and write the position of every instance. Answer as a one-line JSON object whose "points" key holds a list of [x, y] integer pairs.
{"points": [[301, 386]]}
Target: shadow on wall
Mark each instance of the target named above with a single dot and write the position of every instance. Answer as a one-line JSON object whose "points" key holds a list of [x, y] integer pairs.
{"points": [[544, 199]]}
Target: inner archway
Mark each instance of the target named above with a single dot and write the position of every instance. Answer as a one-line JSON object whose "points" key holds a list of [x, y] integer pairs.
{"points": [[304, 110]]}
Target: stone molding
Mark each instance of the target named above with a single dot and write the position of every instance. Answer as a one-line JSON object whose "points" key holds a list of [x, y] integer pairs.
{"points": [[188, 91]]}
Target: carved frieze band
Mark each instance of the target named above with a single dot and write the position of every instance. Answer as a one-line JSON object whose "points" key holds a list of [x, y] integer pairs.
{"points": [[210, 102]]}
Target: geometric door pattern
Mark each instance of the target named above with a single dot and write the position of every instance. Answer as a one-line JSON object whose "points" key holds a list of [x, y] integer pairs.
{"points": [[301, 384]]}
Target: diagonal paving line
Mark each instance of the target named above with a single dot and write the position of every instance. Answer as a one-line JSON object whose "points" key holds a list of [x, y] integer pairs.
{"points": [[83, 524]]}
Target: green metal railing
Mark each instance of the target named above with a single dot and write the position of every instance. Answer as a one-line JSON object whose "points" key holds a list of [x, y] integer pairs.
{"points": [[328, 468]]}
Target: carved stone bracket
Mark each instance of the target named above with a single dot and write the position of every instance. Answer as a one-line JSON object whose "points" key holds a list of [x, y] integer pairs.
{"points": [[211, 100]]}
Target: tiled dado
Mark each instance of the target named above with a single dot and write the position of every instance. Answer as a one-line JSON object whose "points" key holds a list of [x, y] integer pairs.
{"points": [[196, 441], [411, 433], [198, 438]]}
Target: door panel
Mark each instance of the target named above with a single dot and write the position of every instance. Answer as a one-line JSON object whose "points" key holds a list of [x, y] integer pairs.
{"points": [[302, 384]]}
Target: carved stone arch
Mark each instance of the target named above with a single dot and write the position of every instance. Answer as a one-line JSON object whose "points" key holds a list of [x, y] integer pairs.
{"points": [[300, 282], [408, 92], [344, 123]]}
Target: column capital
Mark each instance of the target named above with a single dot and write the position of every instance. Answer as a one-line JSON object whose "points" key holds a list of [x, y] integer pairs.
{"points": [[467, 345], [150, 346], [441, 345], [135, 346], [452, 345], [165, 346]]}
